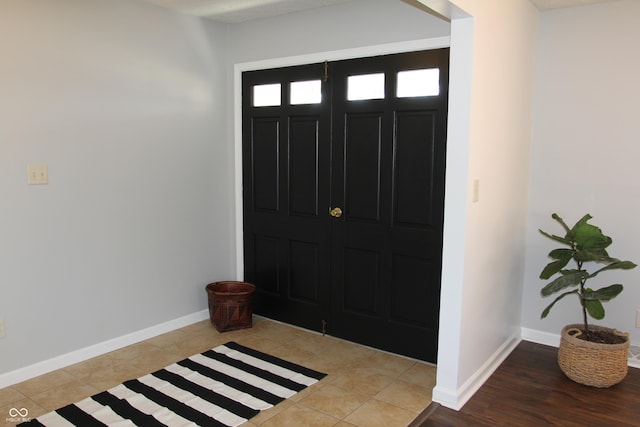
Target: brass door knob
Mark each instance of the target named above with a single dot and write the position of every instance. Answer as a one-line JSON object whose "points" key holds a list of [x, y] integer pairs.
{"points": [[335, 212]]}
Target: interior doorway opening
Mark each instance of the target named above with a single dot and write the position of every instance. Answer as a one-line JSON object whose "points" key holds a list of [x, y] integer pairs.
{"points": [[380, 155]]}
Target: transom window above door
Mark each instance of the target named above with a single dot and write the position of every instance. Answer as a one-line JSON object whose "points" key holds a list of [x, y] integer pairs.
{"points": [[300, 93], [360, 87], [422, 82], [365, 86], [409, 84], [266, 95], [307, 92]]}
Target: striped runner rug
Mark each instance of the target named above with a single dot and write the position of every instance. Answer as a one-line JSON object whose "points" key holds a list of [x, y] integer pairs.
{"points": [[225, 386]]}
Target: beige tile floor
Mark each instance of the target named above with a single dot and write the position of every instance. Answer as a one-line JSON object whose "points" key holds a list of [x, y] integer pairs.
{"points": [[364, 387]]}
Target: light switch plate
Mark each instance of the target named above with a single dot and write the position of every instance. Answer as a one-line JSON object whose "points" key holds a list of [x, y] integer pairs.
{"points": [[476, 190], [37, 174]]}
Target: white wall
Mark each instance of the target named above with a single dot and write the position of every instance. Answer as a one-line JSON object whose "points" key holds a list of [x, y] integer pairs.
{"points": [[351, 25], [586, 147], [490, 122], [122, 101]]}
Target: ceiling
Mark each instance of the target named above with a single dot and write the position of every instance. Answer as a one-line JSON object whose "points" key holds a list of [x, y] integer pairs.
{"points": [[557, 4], [234, 11]]}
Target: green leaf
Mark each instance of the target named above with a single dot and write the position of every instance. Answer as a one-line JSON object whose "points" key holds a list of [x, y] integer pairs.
{"points": [[546, 311], [561, 253], [556, 238], [615, 265], [625, 265], [588, 237], [602, 294], [563, 282], [563, 256], [595, 309], [561, 221], [593, 254], [552, 268]]}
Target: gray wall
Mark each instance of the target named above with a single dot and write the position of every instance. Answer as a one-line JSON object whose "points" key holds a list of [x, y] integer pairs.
{"points": [[350, 25], [585, 151], [130, 105], [125, 103]]}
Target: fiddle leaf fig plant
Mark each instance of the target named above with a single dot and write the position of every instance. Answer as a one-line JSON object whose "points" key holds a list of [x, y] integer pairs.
{"points": [[583, 244]]}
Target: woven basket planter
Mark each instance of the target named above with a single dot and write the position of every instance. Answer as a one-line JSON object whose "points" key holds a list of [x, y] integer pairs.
{"points": [[592, 364]]}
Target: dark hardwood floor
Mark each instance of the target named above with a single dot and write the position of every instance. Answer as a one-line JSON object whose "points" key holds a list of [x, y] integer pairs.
{"points": [[529, 389]]}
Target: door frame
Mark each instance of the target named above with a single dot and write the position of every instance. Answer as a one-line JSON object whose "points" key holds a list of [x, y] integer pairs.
{"points": [[239, 68]]}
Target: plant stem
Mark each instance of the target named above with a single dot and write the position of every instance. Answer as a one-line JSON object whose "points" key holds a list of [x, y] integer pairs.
{"points": [[584, 308]]}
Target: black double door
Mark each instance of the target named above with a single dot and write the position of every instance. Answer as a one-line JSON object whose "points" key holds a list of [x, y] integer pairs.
{"points": [[343, 196]]}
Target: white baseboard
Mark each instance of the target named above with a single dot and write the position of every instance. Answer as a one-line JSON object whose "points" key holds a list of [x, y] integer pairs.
{"points": [[553, 340], [58, 362], [540, 337], [455, 399]]}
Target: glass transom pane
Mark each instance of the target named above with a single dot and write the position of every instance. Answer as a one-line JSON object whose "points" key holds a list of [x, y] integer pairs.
{"points": [[309, 92], [365, 86], [266, 95], [424, 82]]}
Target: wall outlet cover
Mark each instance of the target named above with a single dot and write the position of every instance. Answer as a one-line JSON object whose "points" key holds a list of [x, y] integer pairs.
{"points": [[37, 174]]}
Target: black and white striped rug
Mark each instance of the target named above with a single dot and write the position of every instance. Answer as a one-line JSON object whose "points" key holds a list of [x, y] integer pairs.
{"points": [[224, 386]]}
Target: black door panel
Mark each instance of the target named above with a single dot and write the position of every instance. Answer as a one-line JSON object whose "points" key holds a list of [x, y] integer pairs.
{"points": [[286, 228], [373, 272]]}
